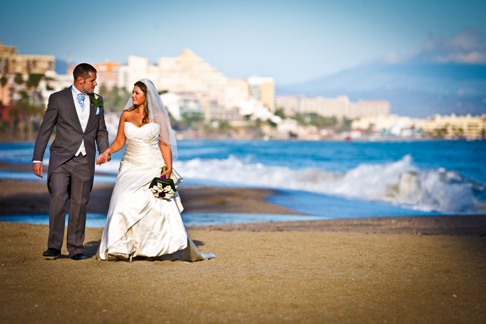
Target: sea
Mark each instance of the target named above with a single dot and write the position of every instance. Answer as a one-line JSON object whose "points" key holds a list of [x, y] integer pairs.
{"points": [[320, 179]]}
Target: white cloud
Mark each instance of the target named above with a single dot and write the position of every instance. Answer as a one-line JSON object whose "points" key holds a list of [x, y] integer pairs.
{"points": [[468, 47]]}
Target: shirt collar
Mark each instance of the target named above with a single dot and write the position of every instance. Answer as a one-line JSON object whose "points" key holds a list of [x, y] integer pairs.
{"points": [[76, 91]]}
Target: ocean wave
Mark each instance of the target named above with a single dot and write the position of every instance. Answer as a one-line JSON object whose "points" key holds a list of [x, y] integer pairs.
{"points": [[447, 177], [400, 182]]}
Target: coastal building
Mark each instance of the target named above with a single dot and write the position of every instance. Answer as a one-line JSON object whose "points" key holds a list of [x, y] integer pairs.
{"points": [[340, 107], [181, 104], [263, 89], [394, 125], [217, 94], [12, 64], [136, 68], [449, 127], [188, 75], [108, 74], [469, 127]]}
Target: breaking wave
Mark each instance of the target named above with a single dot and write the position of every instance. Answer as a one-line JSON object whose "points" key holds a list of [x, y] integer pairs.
{"points": [[400, 183]]}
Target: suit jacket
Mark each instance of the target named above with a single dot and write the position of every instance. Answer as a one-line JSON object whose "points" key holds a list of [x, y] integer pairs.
{"points": [[61, 113]]}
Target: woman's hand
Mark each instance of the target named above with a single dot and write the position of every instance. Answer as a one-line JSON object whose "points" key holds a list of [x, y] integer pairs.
{"points": [[103, 158], [167, 173]]}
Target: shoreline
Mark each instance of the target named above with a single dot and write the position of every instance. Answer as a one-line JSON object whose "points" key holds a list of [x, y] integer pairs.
{"points": [[21, 197], [28, 197], [24, 197]]}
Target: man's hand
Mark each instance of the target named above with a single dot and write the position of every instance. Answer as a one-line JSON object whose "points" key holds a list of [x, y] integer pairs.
{"points": [[38, 169], [103, 158]]}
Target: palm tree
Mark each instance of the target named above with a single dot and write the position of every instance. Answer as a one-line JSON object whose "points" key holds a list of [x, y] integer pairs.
{"points": [[26, 110], [34, 105]]}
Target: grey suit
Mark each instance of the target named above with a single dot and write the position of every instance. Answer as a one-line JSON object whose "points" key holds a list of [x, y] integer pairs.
{"points": [[69, 177]]}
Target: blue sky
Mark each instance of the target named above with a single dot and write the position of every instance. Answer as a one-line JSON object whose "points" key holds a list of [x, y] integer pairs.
{"points": [[292, 41]]}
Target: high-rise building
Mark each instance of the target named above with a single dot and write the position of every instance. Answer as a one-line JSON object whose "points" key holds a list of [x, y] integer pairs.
{"points": [[263, 89], [12, 63], [188, 73], [189, 76], [108, 74], [333, 107]]}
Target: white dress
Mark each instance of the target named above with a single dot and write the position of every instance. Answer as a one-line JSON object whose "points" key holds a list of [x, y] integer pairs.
{"points": [[137, 223]]}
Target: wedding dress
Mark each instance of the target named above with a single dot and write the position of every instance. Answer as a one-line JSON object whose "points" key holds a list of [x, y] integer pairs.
{"points": [[138, 224]]}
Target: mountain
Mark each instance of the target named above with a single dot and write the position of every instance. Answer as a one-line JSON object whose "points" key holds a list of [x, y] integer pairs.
{"points": [[443, 77], [413, 89]]}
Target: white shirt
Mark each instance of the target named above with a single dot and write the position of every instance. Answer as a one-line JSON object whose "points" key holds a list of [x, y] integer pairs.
{"points": [[83, 115]]}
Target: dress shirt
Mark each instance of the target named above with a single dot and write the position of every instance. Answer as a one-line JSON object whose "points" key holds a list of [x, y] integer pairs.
{"points": [[83, 115]]}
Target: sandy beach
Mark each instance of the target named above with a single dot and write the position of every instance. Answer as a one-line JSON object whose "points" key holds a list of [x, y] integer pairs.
{"points": [[401, 270]]}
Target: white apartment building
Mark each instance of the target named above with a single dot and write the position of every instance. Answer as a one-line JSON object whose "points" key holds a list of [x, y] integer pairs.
{"points": [[263, 89], [453, 126], [136, 69], [108, 74], [218, 96], [469, 127], [188, 73], [393, 124], [333, 107]]}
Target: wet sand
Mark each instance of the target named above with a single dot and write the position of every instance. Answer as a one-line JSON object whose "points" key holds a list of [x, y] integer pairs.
{"points": [[402, 270]]}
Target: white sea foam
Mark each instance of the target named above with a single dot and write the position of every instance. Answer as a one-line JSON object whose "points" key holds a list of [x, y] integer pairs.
{"points": [[325, 168], [399, 183]]}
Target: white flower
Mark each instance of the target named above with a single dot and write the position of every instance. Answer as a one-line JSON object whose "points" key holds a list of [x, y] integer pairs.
{"points": [[160, 191], [96, 100]]}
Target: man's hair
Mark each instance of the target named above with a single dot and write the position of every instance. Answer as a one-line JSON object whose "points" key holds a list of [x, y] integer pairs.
{"points": [[82, 70]]}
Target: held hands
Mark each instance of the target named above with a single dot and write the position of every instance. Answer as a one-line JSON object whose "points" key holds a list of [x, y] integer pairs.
{"points": [[103, 158]]}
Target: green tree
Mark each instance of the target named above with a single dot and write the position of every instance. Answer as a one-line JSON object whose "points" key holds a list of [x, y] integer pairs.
{"points": [[192, 120], [317, 120], [217, 128], [254, 127], [271, 123], [440, 132], [18, 79], [27, 110], [3, 80], [115, 98], [344, 125], [33, 80], [280, 113]]}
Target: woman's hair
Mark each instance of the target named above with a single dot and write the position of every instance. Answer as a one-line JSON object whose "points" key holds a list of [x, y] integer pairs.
{"points": [[142, 87]]}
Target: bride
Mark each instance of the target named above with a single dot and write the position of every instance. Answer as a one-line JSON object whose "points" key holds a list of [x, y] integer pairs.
{"points": [[137, 223]]}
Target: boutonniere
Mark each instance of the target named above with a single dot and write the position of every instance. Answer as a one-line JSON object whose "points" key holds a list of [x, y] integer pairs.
{"points": [[96, 100]]}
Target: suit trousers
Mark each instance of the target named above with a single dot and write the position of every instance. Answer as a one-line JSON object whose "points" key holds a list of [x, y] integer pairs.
{"points": [[71, 181]]}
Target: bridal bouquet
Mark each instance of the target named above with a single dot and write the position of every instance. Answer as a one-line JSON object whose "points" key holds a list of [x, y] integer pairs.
{"points": [[162, 187]]}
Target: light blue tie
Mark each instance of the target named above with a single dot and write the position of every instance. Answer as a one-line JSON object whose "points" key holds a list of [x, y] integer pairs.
{"points": [[81, 100]]}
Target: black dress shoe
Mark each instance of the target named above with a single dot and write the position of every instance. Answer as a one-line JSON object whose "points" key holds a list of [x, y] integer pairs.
{"points": [[51, 252], [79, 256]]}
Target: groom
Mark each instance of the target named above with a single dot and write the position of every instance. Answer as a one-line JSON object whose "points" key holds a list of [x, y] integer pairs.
{"points": [[78, 117]]}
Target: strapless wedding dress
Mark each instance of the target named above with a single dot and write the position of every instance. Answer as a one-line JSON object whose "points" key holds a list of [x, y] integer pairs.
{"points": [[138, 224]]}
